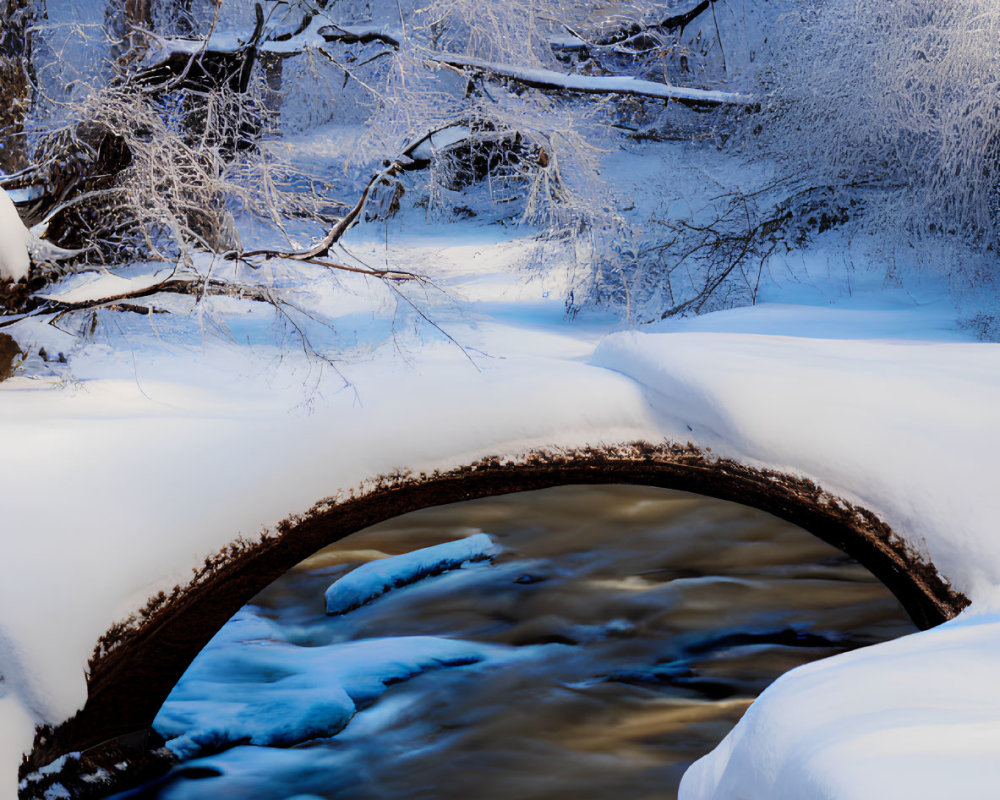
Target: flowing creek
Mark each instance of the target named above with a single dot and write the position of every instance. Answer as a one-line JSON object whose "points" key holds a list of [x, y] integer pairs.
{"points": [[618, 636]]}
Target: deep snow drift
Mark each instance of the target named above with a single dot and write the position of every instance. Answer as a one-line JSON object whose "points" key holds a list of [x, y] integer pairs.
{"points": [[915, 717]]}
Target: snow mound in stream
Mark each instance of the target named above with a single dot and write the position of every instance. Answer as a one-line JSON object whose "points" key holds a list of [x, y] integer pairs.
{"points": [[372, 580], [244, 688]]}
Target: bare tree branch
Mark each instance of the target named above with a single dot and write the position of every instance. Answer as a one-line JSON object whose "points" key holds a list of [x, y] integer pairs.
{"points": [[675, 22]]}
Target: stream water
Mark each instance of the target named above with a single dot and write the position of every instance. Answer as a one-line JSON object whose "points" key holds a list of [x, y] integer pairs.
{"points": [[626, 631]]}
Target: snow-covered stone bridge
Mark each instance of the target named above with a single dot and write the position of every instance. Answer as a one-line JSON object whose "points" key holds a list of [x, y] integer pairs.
{"points": [[116, 489]]}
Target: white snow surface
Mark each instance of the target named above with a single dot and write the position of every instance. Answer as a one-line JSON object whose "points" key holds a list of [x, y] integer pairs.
{"points": [[439, 140], [14, 241], [915, 718], [374, 578], [167, 437], [862, 418]]}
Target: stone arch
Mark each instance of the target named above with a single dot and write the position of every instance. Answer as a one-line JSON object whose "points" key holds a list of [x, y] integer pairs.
{"points": [[136, 667]]}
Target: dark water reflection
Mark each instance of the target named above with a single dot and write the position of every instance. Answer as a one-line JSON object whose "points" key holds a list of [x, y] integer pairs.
{"points": [[664, 615]]}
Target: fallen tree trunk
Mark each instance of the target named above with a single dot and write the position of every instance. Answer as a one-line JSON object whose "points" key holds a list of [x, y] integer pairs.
{"points": [[550, 80]]}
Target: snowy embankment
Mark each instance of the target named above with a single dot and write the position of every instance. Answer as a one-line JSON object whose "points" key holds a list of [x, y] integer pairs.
{"points": [[124, 470], [914, 718], [909, 430]]}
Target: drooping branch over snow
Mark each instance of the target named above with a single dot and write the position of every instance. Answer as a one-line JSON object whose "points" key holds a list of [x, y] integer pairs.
{"points": [[675, 22], [413, 156]]}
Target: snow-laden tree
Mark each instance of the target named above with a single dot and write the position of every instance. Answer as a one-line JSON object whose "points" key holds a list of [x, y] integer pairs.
{"points": [[901, 97], [168, 137]]}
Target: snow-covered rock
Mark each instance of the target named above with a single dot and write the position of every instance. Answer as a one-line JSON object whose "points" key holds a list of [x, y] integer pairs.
{"points": [[14, 242], [371, 580], [274, 693]]}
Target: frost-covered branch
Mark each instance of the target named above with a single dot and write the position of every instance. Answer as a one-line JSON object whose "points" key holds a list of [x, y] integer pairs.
{"points": [[904, 96], [674, 22], [412, 157]]}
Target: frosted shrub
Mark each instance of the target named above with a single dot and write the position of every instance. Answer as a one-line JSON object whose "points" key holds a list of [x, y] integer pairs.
{"points": [[539, 146], [897, 95]]}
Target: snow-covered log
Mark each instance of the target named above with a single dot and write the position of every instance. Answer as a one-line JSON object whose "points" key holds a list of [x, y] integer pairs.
{"points": [[206, 64], [551, 80]]}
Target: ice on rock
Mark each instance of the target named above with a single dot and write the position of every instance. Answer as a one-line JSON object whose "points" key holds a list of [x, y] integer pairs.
{"points": [[277, 694], [272, 717], [372, 580]]}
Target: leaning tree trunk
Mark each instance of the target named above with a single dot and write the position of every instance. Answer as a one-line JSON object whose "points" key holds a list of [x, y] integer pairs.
{"points": [[15, 83]]}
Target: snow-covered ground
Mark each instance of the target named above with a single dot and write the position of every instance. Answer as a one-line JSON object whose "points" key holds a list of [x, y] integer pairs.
{"points": [[166, 436]]}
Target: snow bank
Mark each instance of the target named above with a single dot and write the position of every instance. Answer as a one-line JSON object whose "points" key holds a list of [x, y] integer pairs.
{"points": [[167, 452], [915, 718], [149, 456], [14, 241], [910, 430], [375, 578]]}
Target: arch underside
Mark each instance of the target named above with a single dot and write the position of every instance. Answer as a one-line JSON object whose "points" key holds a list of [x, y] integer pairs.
{"points": [[136, 666]]}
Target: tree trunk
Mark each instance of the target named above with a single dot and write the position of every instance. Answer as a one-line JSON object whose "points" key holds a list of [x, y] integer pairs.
{"points": [[15, 85]]}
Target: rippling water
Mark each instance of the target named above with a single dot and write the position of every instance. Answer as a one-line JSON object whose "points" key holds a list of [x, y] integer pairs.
{"points": [[648, 621]]}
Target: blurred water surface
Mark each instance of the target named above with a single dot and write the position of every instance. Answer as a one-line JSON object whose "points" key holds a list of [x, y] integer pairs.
{"points": [[650, 620]]}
